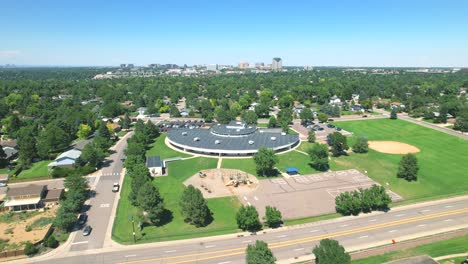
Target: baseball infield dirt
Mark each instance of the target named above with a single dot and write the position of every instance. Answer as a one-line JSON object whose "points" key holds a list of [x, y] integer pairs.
{"points": [[392, 147]]}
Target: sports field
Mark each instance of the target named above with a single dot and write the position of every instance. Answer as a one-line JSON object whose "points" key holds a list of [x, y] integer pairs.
{"points": [[443, 159]]}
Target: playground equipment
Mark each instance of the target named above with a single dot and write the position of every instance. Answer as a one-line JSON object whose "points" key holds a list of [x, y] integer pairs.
{"points": [[236, 178], [202, 174]]}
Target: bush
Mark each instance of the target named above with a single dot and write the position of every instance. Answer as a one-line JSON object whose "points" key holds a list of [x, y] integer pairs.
{"points": [[361, 145], [51, 242], [362, 200], [29, 249]]}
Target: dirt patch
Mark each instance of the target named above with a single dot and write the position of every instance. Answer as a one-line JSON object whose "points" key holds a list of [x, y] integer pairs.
{"points": [[392, 147], [30, 229]]}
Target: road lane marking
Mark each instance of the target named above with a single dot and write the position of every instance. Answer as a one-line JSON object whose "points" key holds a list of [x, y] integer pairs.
{"points": [[224, 262], [425, 210], [298, 249], [245, 198], [281, 236], [372, 220], [421, 225], [170, 251], [448, 206], [448, 220], [241, 250], [392, 231], [345, 225], [313, 231], [105, 205], [399, 215], [255, 197], [363, 236], [247, 241], [210, 246], [130, 256], [81, 242]]}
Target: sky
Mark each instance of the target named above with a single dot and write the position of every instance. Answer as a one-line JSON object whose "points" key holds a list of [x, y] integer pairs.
{"points": [[380, 33]]}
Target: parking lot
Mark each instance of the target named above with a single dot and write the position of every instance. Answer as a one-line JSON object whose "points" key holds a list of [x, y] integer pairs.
{"points": [[307, 195], [321, 130]]}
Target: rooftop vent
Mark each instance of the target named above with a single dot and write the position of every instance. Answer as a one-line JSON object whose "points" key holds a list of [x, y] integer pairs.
{"points": [[217, 142], [196, 139], [251, 142], [283, 133], [273, 138], [184, 133]]}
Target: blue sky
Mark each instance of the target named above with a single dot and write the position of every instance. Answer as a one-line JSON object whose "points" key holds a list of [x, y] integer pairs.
{"points": [[318, 33]]}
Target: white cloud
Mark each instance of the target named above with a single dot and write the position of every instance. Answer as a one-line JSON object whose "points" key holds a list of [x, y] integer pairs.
{"points": [[9, 54]]}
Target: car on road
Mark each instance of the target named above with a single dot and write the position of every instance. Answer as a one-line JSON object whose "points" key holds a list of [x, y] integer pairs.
{"points": [[330, 120], [330, 126], [115, 187], [3, 184], [87, 230], [82, 219]]}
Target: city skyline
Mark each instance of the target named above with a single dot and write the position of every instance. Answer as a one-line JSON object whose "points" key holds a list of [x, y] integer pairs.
{"points": [[349, 34]]}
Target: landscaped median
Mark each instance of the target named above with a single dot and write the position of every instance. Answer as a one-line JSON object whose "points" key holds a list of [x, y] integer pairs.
{"points": [[171, 188]]}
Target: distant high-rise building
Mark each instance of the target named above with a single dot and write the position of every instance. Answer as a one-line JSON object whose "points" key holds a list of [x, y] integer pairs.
{"points": [[212, 67], [243, 65], [277, 64], [259, 65]]}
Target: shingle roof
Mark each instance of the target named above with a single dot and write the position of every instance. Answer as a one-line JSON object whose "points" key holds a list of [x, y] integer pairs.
{"points": [[73, 154], [31, 189], [153, 161], [10, 152], [53, 194]]}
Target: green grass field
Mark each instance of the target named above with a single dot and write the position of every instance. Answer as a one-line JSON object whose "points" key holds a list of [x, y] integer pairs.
{"points": [[437, 249], [443, 158], [171, 188], [159, 148], [38, 170]]}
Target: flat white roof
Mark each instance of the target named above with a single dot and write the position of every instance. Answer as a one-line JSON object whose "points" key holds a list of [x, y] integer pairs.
{"points": [[11, 203]]}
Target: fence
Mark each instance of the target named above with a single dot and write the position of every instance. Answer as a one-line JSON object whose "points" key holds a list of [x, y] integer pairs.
{"points": [[13, 253]]}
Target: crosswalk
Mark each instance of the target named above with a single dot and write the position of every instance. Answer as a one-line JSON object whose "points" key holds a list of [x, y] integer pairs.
{"points": [[111, 174]]}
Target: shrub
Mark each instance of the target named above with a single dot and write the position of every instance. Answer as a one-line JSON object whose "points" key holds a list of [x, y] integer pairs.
{"points": [[29, 249]]}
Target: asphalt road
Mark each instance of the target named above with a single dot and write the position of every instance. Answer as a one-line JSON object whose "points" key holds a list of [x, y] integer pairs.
{"points": [[99, 207], [293, 242]]}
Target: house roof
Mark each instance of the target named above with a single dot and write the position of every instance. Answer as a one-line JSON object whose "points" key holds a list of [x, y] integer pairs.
{"points": [[414, 260], [54, 194], [4, 177], [30, 189], [10, 152], [153, 161], [62, 162], [79, 145], [8, 143], [72, 154]]}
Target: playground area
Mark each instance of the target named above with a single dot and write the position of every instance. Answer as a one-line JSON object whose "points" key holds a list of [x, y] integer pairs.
{"points": [[223, 182]]}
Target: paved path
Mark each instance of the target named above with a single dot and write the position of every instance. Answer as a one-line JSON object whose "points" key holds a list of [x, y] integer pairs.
{"points": [[292, 243], [452, 256]]}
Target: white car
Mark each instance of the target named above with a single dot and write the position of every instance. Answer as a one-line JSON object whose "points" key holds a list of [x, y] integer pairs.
{"points": [[3, 184], [115, 187]]}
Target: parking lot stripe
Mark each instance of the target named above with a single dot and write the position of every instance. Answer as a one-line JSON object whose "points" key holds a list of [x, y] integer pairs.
{"points": [[81, 242]]}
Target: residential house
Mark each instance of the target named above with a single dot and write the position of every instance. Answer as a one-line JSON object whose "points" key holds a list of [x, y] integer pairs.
{"points": [[10, 149], [155, 165], [52, 197], [66, 159], [355, 97], [335, 100], [298, 109], [184, 112], [25, 197], [4, 178], [142, 110]]}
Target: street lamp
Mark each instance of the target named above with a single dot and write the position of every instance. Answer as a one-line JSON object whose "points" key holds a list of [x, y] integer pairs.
{"points": [[133, 229]]}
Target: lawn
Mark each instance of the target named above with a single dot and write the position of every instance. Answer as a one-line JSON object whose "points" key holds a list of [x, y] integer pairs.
{"points": [[442, 160], [437, 249], [5, 171], [171, 188], [159, 148], [38, 170], [295, 159]]}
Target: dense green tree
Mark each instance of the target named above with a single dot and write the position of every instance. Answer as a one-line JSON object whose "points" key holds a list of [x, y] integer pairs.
{"points": [[273, 217], [338, 143], [348, 203], [64, 219], [151, 131], [26, 146], [286, 101], [52, 141], [235, 109], [223, 116], [247, 218], [285, 118], [140, 176], [2, 156], [174, 112], [103, 130], [408, 168], [330, 252], [394, 113], [265, 160], [306, 115], [11, 125], [461, 123], [318, 154], [250, 117], [259, 253], [272, 122], [361, 145], [125, 122], [262, 110], [194, 207], [322, 117], [51, 242], [311, 136], [112, 109], [149, 200], [92, 155]]}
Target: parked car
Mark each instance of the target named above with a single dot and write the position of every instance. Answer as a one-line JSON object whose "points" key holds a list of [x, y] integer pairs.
{"points": [[330, 126], [115, 187], [330, 120], [82, 219], [364, 116], [338, 128], [87, 230], [3, 184]]}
